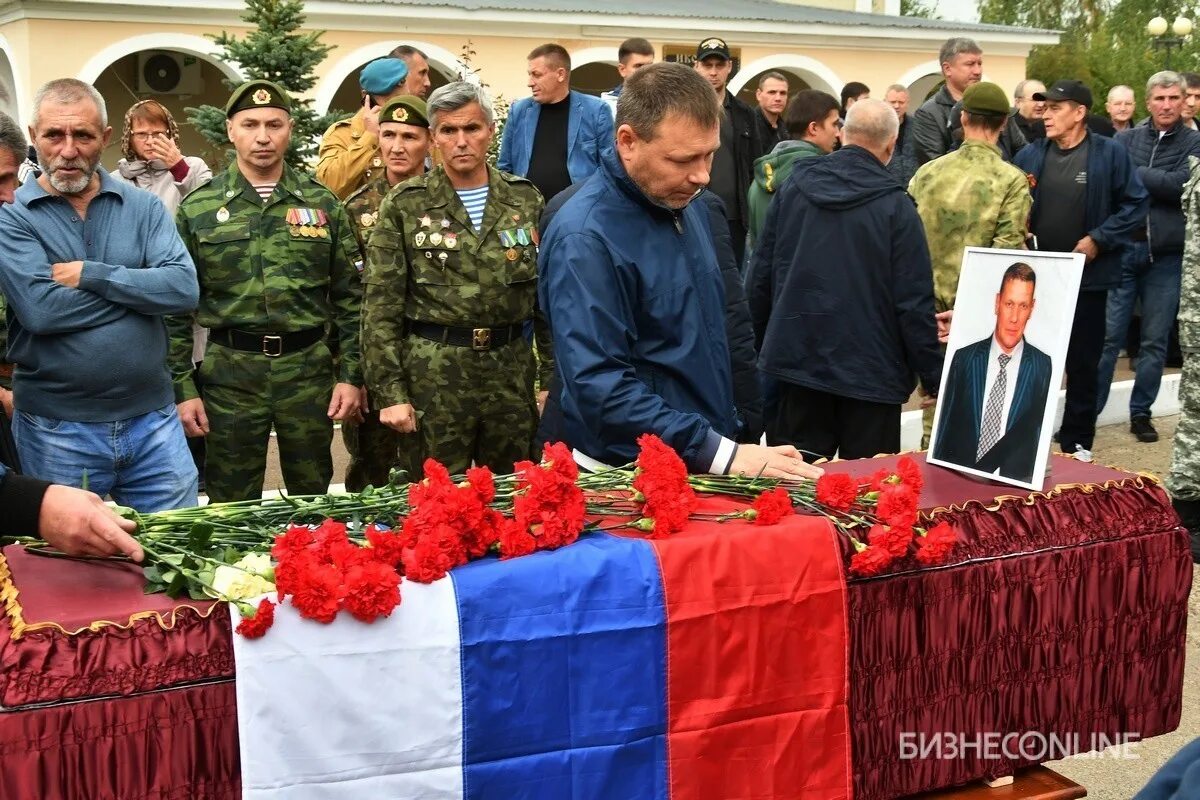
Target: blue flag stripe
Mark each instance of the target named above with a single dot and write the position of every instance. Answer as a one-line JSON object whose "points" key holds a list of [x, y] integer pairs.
{"points": [[564, 674]]}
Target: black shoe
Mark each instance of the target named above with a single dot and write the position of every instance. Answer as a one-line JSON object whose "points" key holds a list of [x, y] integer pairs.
{"points": [[1143, 430]]}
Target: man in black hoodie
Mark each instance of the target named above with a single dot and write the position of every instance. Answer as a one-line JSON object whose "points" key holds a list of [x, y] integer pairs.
{"points": [[841, 295]]}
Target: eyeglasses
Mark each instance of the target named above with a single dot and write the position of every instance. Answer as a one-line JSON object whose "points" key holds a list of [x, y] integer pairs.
{"points": [[145, 136]]}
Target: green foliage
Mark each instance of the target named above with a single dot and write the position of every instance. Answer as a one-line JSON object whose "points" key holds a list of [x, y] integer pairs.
{"points": [[275, 50], [926, 9], [1104, 42], [470, 73]]}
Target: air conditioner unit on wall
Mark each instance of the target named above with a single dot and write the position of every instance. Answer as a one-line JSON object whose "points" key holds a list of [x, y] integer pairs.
{"points": [[167, 72]]}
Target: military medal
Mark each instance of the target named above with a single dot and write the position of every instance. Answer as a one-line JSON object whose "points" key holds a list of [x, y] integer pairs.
{"points": [[435, 238], [451, 241], [419, 239], [511, 254], [445, 223], [507, 239], [522, 237], [428, 254], [426, 221], [533, 235], [222, 214], [442, 256], [366, 220]]}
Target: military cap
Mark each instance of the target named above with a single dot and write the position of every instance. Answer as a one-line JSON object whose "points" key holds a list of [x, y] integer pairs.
{"points": [[407, 109], [258, 94], [712, 47], [1074, 91], [382, 75], [985, 98]]}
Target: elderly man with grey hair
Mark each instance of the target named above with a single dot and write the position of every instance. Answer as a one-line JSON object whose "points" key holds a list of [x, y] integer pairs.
{"points": [[845, 343], [1152, 262], [937, 124], [90, 266], [450, 289]]}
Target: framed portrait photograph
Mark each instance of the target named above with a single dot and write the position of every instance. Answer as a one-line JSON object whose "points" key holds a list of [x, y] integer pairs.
{"points": [[1004, 364]]}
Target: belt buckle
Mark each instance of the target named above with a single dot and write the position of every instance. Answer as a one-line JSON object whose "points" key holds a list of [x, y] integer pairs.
{"points": [[481, 339], [278, 341]]}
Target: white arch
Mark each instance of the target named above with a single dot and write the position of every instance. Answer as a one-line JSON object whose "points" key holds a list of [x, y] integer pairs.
{"points": [[181, 42], [341, 69], [594, 55], [20, 89], [816, 73], [932, 67]]}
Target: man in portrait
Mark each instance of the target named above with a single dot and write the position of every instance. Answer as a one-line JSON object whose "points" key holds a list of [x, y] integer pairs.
{"points": [[995, 393]]}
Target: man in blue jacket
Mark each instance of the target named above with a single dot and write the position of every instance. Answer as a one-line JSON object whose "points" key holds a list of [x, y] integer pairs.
{"points": [[633, 291], [841, 295], [1152, 261], [1087, 198], [554, 138]]}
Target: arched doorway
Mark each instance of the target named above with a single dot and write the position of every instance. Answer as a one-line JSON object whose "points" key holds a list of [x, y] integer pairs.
{"points": [[795, 81], [176, 69], [594, 70], [802, 72], [10, 103], [922, 81], [338, 90]]}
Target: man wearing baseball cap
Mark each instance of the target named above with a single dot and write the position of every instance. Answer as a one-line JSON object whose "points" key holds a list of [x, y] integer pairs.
{"points": [[1087, 198], [969, 198], [733, 164], [349, 156]]}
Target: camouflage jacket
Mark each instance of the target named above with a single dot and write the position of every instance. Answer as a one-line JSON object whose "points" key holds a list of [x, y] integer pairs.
{"points": [[363, 207], [425, 262], [1189, 289], [348, 157], [261, 271], [969, 198]]}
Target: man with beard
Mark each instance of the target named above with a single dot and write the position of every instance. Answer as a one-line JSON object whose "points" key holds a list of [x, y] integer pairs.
{"points": [[374, 448], [90, 266]]}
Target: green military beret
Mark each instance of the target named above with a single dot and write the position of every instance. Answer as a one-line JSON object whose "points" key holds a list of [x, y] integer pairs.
{"points": [[985, 98], [258, 94], [407, 109]]}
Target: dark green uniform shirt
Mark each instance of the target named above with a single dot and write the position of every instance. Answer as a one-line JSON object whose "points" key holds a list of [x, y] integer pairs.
{"points": [[426, 262], [259, 271], [363, 206]]}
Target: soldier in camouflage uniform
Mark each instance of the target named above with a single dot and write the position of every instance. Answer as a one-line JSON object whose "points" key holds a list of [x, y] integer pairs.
{"points": [[278, 267], [374, 448], [969, 198], [450, 291], [1183, 481]]}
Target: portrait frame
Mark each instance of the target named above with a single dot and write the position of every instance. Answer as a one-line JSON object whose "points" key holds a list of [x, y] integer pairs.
{"points": [[1017, 434]]}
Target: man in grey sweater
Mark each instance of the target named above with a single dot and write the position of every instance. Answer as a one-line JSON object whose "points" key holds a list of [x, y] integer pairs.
{"points": [[89, 267]]}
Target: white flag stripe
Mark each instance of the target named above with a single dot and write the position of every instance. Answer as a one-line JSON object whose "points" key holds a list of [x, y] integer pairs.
{"points": [[328, 711]]}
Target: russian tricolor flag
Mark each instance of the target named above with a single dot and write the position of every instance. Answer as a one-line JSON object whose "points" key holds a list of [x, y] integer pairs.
{"points": [[708, 665]]}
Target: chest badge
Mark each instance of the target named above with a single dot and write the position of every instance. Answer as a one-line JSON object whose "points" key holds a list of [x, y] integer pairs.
{"points": [[222, 214], [435, 238]]}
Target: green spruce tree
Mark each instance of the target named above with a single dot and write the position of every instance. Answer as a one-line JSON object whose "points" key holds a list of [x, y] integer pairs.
{"points": [[274, 50]]}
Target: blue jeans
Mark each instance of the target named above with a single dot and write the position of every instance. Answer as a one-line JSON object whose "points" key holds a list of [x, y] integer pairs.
{"points": [[142, 462], [1156, 284]]}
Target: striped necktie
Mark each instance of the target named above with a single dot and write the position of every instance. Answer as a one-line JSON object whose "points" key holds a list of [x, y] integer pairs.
{"points": [[993, 411]]}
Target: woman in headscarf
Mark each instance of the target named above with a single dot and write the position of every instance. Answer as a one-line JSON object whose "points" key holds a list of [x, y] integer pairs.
{"points": [[152, 161]]}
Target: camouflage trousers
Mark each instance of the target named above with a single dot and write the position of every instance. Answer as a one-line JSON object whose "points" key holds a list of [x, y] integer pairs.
{"points": [[927, 414], [1183, 481], [375, 450], [472, 405], [245, 395]]}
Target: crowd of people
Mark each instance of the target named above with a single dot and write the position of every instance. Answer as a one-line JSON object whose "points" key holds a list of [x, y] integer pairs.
{"points": [[664, 258]]}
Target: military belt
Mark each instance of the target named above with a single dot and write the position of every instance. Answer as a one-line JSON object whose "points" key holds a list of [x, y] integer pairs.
{"points": [[474, 338], [271, 345]]}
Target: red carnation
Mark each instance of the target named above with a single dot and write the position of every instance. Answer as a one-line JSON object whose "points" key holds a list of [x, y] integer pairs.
{"points": [[935, 545], [483, 482], [897, 505], [772, 506], [372, 591], [290, 571], [910, 474], [515, 541], [385, 545], [662, 480], [549, 506], [879, 480], [318, 592], [837, 491], [894, 540], [294, 540], [870, 561], [259, 621], [330, 536]]}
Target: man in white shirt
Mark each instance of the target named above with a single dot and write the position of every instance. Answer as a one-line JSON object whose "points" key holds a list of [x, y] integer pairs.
{"points": [[995, 393]]}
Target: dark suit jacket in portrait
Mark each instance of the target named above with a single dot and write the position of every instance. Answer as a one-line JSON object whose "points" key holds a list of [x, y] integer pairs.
{"points": [[962, 401]]}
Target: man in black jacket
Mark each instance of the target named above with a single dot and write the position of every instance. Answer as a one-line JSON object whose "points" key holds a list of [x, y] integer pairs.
{"points": [[1150, 270], [733, 164], [841, 295], [937, 125]]}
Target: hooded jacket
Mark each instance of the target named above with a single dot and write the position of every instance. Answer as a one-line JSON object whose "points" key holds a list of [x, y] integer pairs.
{"points": [[633, 292], [770, 172], [841, 287]]}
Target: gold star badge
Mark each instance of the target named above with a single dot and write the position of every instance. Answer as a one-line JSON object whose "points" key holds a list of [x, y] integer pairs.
{"points": [[261, 97]]}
